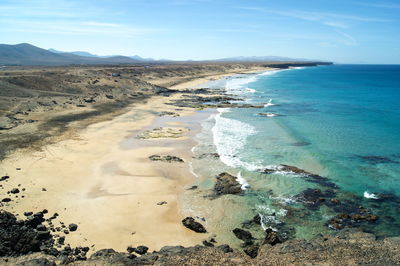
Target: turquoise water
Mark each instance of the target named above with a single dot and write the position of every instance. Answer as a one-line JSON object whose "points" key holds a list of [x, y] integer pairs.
{"points": [[341, 122]]}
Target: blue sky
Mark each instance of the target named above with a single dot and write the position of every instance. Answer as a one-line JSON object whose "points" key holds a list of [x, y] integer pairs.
{"points": [[346, 31]]}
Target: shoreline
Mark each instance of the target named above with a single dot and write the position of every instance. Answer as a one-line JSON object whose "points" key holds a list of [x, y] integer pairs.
{"points": [[88, 181], [118, 197]]}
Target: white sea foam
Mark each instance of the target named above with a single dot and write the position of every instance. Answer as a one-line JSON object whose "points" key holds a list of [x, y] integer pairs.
{"points": [[242, 181], [284, 200], [269, 103], [192, 170], [250, 90], [230, 137], [237, 84], [370, 195]]}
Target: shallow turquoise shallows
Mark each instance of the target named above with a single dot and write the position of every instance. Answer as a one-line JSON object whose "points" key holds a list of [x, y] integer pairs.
{"points": [[341, 122]]}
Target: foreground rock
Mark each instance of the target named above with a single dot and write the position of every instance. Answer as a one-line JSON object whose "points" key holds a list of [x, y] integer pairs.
{"points": [[227, 184], [22, 237], [348, 248], [190, 223]]}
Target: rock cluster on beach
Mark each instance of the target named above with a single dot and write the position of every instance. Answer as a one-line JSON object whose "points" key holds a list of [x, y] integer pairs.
{"points": [[166, 158]]}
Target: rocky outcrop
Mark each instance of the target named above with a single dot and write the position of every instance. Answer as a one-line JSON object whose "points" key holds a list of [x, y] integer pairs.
{"points": [[272, 237], [310, 177], [354, 219], [227, 184], [348, 247], [243, 235], [190, 223]]}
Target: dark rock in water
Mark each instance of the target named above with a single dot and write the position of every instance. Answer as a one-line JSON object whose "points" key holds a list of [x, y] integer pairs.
{"points": [[310, 177], [272, 237], [28, 213], [255, 221], [206, 155], [166, 158], [191, 224], [376, 159], [313, 198], [227, 184], [252, 251], [301, 143], [243, 235], [269, 114], [6, 200], [207, 243], [225, 248], [193, 187], [72, 227], [356, 218], [4, 178]]}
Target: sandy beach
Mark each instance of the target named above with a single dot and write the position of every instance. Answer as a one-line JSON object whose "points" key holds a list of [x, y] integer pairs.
{"points": [[102, 179]]}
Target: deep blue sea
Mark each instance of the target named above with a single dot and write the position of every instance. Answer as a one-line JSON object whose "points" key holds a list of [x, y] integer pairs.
{"points": [[340, 122]]}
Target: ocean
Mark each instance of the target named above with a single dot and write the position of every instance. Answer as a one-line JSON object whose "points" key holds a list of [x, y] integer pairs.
{"points": [[339, 123]]}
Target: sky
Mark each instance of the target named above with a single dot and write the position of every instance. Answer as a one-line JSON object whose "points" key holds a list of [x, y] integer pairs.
{"points": [[342, 31]]}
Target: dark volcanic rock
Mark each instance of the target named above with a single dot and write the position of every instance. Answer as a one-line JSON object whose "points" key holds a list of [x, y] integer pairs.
{"points": [[14, 191], [207, 243], [310, 177], [225, 248], [356, 218], [6, 200], [4, 178], [141, 250], [272, 237], [21, 237], [227, 184], [376, 159], [252, 251], [313, 198], [72, 227], [243, 235], [166, 158], [191, 223], [37, 262]]}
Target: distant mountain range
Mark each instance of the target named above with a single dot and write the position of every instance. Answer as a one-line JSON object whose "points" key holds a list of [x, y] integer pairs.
{"points": [[262, 59], [27, 54]]}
